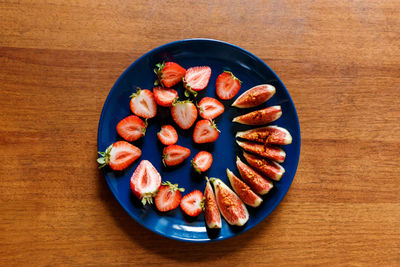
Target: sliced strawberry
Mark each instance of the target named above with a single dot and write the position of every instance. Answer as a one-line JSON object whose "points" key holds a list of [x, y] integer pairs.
{"points": [[168, 196], [260, 117], [267, 135], [131, 128], [169, 74], [184, 113], [243, 190], [257, 183], [196, 79], [227, 85], [145, 182], [175, 154], [210, 207], [268, 168], [143, 104], [164, 97], [202, 161], [191, 203], [265, 151], [205, 131], [210, 108], [167, 135], [119, 155], [254, 96]]}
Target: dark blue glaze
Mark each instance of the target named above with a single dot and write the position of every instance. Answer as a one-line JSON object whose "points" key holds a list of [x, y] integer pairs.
{"points": [[219, 56]]}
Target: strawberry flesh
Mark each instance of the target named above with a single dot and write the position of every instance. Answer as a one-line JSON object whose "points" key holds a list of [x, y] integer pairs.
{"points": [[210, 108], [196, 78], [191, 203], [205, 131], [168, 197], [145, 181], [119, 155], [175, 154], [227, 85], [202, 161], [169, 74], [143, 104], [131, 128], [184, 113], [167, 135], [164, 97]]}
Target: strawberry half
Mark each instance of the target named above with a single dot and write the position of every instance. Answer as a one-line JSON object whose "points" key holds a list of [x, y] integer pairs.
{"points": [[164, 97], [119, 155], [168, 196], [143, 104], [175, 154], [205, 131], [167, 135], [210, 108], [196, 79], [227, 85], [169, 74], [131, 128], [202, 161], [145, 182], [191, 203], [184, 113]]}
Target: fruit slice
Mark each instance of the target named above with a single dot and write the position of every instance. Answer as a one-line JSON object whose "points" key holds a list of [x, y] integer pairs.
{"points": [[131, 128], [164, 97], [265, 151], [210, 108], [169, 74], [168, 196], [119, 155], [243, 190], [229, 204], [191, 203], [205, 131], [268, 168], [254, 96], [167, 135], [196, 79], [184, 113], [210, 208], [175, 154], [202, 161], [145, 182], [267, 135], [256, 182], [143, 104], [227, 85], [260, 117]]}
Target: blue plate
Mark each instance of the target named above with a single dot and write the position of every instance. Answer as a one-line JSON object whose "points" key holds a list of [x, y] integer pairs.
{"points": [[219, 56]]}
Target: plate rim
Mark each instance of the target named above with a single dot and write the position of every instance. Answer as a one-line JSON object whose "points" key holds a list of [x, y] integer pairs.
{"points": [[154, 50]]}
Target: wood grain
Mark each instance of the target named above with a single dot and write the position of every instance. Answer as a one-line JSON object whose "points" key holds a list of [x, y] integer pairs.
{"points": [[340, 61]]}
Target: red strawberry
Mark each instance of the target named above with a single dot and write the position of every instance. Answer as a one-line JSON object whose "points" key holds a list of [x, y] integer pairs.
{"points": [[175, 154], [210, 108], [210, 207], [164, 97], [260, 117], [254, 96], [169, 74], [184, 113], [227, 85], [202, 161], [168, 196], [167, 135], [131, 128], [205, 131], [196, 79], [119, 155], [191, 203], [143, 104], [145, 181]]}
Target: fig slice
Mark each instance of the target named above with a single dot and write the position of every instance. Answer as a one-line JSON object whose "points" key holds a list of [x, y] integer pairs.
{"points": [[243, 190], [265, 151], [210, 208], [231, 207], [257, 183], [260, 117], [268, 168], [255, 96], [267, 135]]}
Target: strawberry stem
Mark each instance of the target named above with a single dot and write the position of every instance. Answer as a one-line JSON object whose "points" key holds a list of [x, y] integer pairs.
{"points": [[173, 187], [233, 76], [105, 157]]}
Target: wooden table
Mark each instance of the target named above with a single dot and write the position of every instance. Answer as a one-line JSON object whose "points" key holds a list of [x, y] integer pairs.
{"points": [[340, 61]]}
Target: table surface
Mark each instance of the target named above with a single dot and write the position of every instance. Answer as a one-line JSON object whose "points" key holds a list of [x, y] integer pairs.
{"points": [[340, 61]]}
